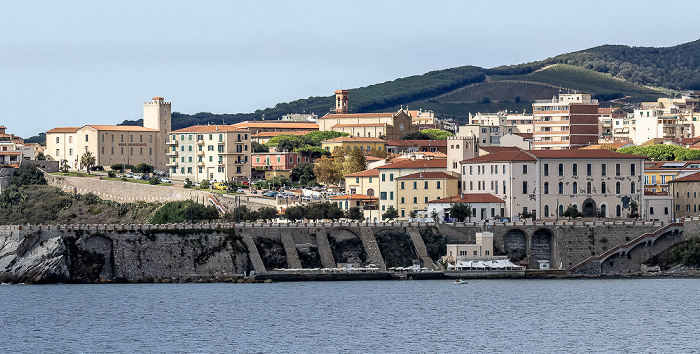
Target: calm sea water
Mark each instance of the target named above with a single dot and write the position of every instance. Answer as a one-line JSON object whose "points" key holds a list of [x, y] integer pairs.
{"points": [[520, 316]]}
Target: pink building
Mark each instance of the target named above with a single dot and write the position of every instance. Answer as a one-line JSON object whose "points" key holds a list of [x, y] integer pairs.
{"points": [[274, 160]]}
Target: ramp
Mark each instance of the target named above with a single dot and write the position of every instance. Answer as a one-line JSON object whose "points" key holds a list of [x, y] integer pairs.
{"points": [[421, 249], [374, 255], [254, 255], [324, 249], [290, 249]]}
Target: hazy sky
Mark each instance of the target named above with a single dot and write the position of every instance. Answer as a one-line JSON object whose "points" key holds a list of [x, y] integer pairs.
{"points": [[71, 63]]}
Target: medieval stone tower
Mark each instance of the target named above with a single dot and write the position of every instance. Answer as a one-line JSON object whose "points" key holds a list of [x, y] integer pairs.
{"points": [[156, 115], [341, 101]]}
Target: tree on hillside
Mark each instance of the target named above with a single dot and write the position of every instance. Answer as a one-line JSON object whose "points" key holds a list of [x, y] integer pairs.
{"points": [[268, 213], [428, 134], [27, 174], [315, 138], [355, 162], [376, 152], [87, 161], [663, 152], [294, 213], [312, 152], [390, 214], [460, 211], [303, 172], [257, 147], [285, 142]]}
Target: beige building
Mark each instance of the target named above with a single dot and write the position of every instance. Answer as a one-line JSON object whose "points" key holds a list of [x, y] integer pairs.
{"points": [[211, 152], [481, 249], [415, 190], [566, 122], [460, 148], [363, 182], [277, 126], [546, 182], [483, 206], [388, 174], [116, 144], [353, 143], [686, 195]]}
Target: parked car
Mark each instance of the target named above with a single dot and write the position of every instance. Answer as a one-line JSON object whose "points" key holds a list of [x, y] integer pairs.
{"points": [[136, 176], [129, 175], [219, 186], [240, 190], [164, 180]]}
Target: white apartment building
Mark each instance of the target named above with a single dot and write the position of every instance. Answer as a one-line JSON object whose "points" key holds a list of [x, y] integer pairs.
{"points": [[211, 152]]}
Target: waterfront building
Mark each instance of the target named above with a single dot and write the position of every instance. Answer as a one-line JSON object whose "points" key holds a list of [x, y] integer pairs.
{"points": [[277, 160], [460, 148], [388, 174], [658, 206], [543, 183], [211, 152], [566, 122], [115, 144], [415, 190], [686, 195], [483, 206]]}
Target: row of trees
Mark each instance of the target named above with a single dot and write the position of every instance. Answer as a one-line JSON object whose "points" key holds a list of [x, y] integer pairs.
{"points": [[242, 214], [663, 152]]}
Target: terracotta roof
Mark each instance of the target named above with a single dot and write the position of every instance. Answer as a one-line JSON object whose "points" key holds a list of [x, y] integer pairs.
{"points": [[470, 198], [359, 125], [436, 143], [357, 115], [695, 177], [670, 165], [121, 128], [504, 156], [418, 163], [492, 149], [369, 158], [428, 175], [277, 124], [273, 134], [63, 130], [209, 129], [10, 152], [357, 139], [354, 197], [524, 135], [366, 173], [582, 154]]}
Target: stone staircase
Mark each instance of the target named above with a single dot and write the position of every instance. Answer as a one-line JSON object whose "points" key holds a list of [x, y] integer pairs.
{"points": [[369, 241], [421, 250], [324, 249], [254, 255], [290, 249]]}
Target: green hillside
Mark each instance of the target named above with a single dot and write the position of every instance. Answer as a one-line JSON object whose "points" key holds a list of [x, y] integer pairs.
{"points": [[608, 72]]}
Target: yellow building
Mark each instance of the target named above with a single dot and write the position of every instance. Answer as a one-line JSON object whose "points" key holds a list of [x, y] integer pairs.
{"points": [[363, 182], [352, 143], [277, 173], [657, 175], [367, 204], [416, 189]]}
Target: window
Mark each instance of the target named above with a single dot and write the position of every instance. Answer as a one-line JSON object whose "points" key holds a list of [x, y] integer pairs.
{"points": [[561, 187], [561, 169], [415, 200], [574, 169], [415, 185], [546, 210], [402, 185], [524, 169], [604, 170], [382, 195], [603, 188], [589, 170], [633, 169], [589, 187], [86, 137], [618, 211], [546, 169], [57, 140], [617, 188], [633, 187], [471, 170], [651, 210], [383, 177], [574, 188], [665, 210], [438, 184], [546, 187], [471, 184], [402, 199], [617, 169], [391, 177], [524, 187], [425, 185], [391, 195], [403, 213]]}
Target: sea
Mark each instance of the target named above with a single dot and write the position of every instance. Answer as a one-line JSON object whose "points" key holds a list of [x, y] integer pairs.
{"points": [[640, 315]]}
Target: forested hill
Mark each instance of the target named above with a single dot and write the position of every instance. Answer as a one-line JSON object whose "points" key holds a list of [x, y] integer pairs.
{"points": [[676, 67], [609, 72]]}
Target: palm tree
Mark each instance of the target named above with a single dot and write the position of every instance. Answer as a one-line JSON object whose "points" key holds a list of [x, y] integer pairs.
{"points": [[87, 161]]}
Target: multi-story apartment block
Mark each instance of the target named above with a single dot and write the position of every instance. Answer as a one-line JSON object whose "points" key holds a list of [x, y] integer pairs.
{"points": [[277, 160], [211, 152], [657, 175], [607, 117], [115, 144], [566, 122], [416, 189], [544, 183], [389, 173], [686, 195]]}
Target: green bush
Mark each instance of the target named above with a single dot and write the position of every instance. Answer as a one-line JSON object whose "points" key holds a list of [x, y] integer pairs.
{"points": [[153, 181], [204, 184], [111, 174]]}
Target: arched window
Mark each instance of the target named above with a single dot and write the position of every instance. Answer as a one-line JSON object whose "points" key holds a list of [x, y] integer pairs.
{"points": [[617, 187], [546, 187], [603, 190], [574, 188], [561, 169], [633, 188], [604, 210], [588, 187], [546, 210], [561, 210], [618, 211], [561, 188]]}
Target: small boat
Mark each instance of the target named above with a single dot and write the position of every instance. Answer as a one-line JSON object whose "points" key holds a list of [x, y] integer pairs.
{"points": [[460, 281]]}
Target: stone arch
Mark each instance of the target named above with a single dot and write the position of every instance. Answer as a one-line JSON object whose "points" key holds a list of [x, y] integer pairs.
{"points": [[99, 248], [346, 246], [541, 246], [604, 209], [589, 208], [515, 244]]}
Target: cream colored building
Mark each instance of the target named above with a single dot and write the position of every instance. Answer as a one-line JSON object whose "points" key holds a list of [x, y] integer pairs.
{"points": [[388, 174], [415, 190], [211, 152], [481, 249], [116, 144], [566, 122], [363, 182], [353, 143], [483, 206]]}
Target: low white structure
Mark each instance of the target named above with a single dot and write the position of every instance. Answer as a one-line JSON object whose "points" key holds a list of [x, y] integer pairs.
{"points": [[481, 249], [484, 206]]}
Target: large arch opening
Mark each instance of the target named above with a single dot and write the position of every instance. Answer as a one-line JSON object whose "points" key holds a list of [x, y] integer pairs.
{"points": [[540, 246], [589, 208], [515, 245]]}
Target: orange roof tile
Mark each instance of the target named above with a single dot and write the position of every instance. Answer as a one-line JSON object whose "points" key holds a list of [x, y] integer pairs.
{"points": [[418, 163], [359, 125], [695, 177], [582, 154], [354, 197], [209, 129], [124, 128], [502, 156], [357, 115], [357, 139], [366, 173], [277, 124], [273, 134], [63, 130], [470, 198], [428, 175]]}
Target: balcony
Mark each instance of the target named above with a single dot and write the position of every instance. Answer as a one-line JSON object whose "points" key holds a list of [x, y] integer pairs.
{"points": [[221, 142], [171, 153], [240, 162], [171, 142], [200, 153], [200, 142], [221, 162], [200, 164], [171, 164]]}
